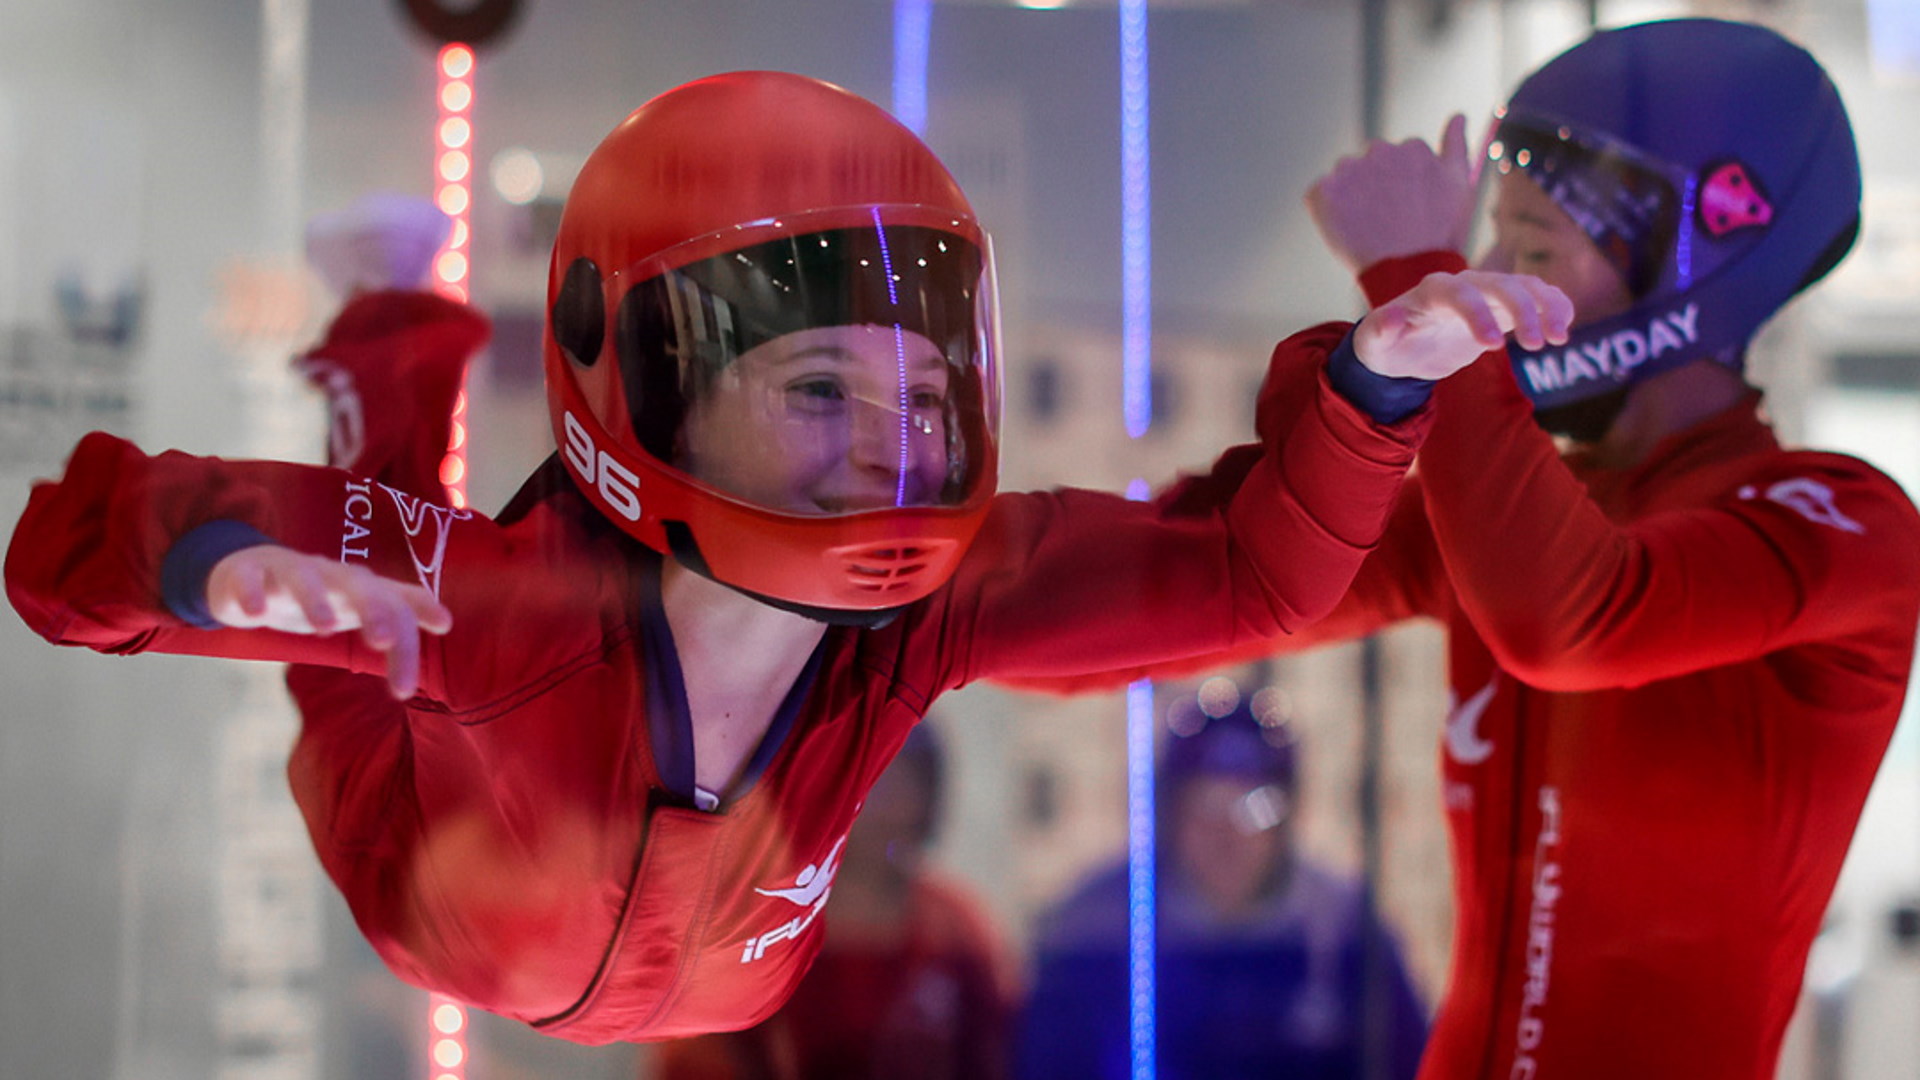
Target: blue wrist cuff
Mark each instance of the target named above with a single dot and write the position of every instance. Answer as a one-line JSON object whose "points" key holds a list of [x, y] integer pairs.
{"points": [[1387, 399], [183, 573]]}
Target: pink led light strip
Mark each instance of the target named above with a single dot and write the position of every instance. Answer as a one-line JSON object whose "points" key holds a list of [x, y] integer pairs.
{"points": [[453, 192]]}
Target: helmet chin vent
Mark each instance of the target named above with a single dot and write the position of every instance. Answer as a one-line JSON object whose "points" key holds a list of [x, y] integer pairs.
{"points": [[887, 568]]}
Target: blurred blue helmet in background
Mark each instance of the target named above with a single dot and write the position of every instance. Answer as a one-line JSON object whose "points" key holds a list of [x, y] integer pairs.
{"points": [[1218, 731]]}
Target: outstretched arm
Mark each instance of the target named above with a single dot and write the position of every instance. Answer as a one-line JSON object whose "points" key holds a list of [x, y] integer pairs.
{"points": [[1077, 582], [175, 553]]}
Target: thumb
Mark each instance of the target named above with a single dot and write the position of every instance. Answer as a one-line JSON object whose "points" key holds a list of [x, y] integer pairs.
{"points": [[1385, 325], [1453, 145], [1479, 160]]}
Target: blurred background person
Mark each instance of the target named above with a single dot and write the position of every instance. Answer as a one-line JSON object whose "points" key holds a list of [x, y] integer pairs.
{"points": [[1262, 953], [395, 345], [912, 983]]}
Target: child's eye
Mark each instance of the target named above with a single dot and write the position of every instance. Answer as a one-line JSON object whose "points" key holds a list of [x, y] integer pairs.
{"points": [[932, 400], [815, 394]]}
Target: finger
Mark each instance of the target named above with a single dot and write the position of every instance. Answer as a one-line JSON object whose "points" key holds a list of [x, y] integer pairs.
{"points": [[1486, 144], [1453, 145], [1527, 327], [398, 637], [386, 626], [250, 582], [1556, 309], [309, 589], [403, 658], [432, 616], [1379, 330], [1524, 308], [382, 619], [1324, 221], [1392, 320], [1477, 313]]}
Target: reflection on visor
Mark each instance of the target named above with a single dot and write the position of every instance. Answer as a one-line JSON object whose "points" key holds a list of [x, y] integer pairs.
{"points": [[830, 372], [1627, 204]]}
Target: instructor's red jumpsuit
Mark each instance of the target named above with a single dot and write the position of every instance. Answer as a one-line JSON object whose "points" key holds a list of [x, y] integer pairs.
{"points": [[1671, 687], [522, 836]]}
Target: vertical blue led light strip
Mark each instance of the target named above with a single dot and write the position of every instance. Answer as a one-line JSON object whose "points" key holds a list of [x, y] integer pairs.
{"points": [[912, 40], [899, 353], [912, 36], [1136, 335], [1136, 214], [1140, 877]]}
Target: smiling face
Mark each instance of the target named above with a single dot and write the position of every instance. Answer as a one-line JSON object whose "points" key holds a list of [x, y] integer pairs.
{"points": [[1533, 235], [830, 420]]}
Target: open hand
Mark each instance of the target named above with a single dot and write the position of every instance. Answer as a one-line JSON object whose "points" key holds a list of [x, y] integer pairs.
{"points": [[1442, 324], [1396, 199], [282, 589]]}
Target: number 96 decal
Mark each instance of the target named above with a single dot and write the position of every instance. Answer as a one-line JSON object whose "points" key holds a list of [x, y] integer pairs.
{"points": [[597, 469]]}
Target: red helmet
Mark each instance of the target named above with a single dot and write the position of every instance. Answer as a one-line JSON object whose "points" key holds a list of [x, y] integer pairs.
{"points": [[772, 347]]}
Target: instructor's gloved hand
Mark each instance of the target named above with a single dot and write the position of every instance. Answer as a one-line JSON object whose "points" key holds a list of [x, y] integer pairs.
{"points": [[282, 589], [1444, 323]]}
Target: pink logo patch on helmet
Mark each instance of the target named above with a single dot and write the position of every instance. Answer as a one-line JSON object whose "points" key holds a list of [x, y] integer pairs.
{"points": [[1729, 200]]}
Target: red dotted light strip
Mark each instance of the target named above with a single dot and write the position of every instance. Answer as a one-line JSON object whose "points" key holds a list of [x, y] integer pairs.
{"points": [[453, 192]]}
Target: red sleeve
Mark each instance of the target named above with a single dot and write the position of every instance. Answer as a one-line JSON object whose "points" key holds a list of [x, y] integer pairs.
{"points": [[83, 566], [1568, 600], [1073, 582], [1400, 579], [1387, 279]]}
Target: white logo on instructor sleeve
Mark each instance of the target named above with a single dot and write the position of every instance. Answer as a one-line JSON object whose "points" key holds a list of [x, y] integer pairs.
{"points": [[1812, 500], [1464, 744]]}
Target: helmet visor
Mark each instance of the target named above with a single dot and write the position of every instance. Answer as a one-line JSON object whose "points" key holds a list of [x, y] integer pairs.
{"points": [[1627, 203], [824, 364]]}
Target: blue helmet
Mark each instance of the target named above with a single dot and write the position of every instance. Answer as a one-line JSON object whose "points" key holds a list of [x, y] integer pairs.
{"points": [[1713, 163], [1220, 732]]}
